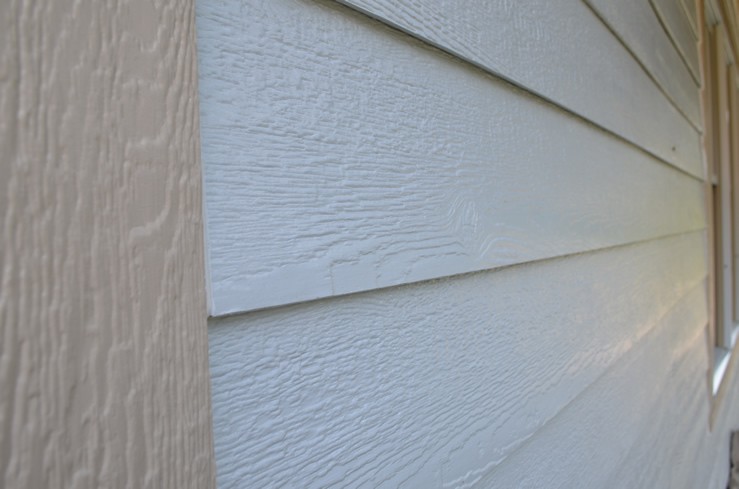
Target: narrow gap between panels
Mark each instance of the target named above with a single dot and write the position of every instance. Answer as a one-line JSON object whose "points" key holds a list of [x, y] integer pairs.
{"points": [[459, 276], [646, 337], [668, 31], [645, 69], [513, 83]]}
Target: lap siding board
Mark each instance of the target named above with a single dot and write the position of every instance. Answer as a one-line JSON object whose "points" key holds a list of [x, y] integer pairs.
{"points": [[331, 170]]}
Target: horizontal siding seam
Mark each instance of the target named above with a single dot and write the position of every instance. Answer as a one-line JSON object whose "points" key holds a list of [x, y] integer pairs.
{"points": [[646, 337], [691, 20], [457, 276], [649, 74], [670, 35], [523, 88], [633, 448]]}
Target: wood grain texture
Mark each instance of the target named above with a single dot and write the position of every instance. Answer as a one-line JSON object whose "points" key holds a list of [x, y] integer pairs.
{"points": [[678, 27], [631, 409], [559, 50], [637, 25], [435, 384], [103, 357], [330, 169], [671, 430]]}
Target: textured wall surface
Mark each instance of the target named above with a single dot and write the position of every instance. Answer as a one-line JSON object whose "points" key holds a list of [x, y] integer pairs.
{"points": [[331, 168], [442, 384], [360, 144], [572, 61], [103, 354]]}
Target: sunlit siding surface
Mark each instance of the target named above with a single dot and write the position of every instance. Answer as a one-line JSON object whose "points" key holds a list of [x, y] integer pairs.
{"points": [[456, 246]]}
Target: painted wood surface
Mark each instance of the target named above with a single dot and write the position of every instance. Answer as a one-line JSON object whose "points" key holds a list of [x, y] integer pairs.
{"points": [[637, 26], [690, 12], [672, 427], [439, 384], [587, 370], [678, 26], [629, 410], [734, 136], [559, 50], [330, 169], [723, 172], [103, 355]]}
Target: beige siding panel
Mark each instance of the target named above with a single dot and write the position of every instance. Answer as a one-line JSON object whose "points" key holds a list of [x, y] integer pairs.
{"points": [[437, 384], [103, 356], [559, 50], [331, 170], [734, 138], [636, 24], [678, 27]]}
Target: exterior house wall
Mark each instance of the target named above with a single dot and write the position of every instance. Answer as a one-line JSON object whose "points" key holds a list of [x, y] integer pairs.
{"points": [[103, 355], [500, 209]]}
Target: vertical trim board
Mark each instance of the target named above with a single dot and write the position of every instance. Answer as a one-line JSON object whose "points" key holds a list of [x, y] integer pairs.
{"points": [[734, 98], [103, 356], [726, 82]]}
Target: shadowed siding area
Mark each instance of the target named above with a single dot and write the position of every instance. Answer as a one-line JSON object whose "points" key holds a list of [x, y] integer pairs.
{"points": [[500, 208]]}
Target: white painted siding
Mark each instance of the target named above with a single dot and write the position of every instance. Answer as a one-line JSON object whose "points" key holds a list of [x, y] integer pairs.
{"points": [[690, 12], [438, 383], [638, 27], [352, 150], [677, 24], [337, 170], [558, 50]]}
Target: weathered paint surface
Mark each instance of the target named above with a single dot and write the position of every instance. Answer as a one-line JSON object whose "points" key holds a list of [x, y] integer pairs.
{"points": [[587, 367], [103, 354]]}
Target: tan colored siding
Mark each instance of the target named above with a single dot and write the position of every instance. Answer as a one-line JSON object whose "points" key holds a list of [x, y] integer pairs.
{"points": [[103, 366]]}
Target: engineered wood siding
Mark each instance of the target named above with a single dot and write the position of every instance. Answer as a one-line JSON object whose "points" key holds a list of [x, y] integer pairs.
{"points": [[590, 442], [103, 356], [637, 26], [665, 436], [341, 156], [349, 149], [690, 12], [676, 23], [438, 384], [643, 423], [560, 51]]}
